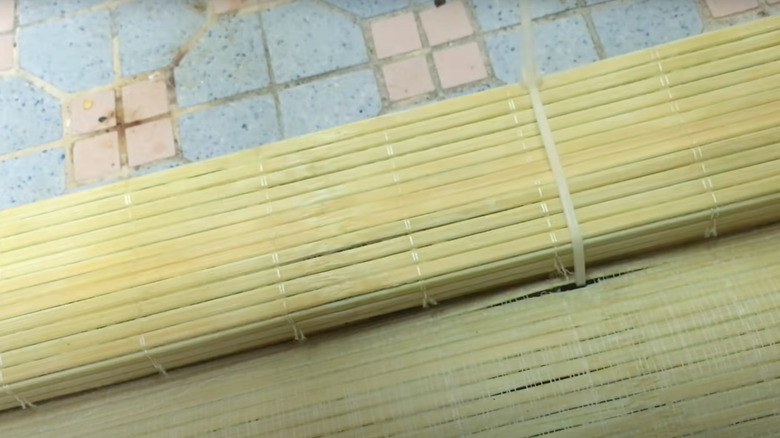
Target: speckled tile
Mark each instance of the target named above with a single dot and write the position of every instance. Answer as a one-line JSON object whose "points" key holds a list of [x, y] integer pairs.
{"points": [[152, 168], [31, 178], [369, 8], [73, 54], [495, 14], [228, 128], [151, 32], [627, 27], [227, 60], [560, 45], [35, 10], [329, 102], [29, 116], [323, 40]]}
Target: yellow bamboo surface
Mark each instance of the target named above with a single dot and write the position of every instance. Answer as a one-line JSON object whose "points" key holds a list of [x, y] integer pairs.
{"points": [[659, 147], [685, 343]]}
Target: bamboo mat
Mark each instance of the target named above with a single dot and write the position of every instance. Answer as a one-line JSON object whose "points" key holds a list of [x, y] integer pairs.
{"points": [[659, 147], [685, 343]]}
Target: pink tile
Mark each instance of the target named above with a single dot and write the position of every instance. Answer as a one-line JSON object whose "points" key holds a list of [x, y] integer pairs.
{"points": [[92, 112], [96, 157], [446, 23], [6, 52], [142, 100], [222, 6], [459, 65], [6, 15], [150, 142], [395, 35], [722, 8], [407, 78]]}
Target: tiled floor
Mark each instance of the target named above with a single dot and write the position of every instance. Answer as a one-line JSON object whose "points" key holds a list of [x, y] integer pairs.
{"points": [[93, 91]]}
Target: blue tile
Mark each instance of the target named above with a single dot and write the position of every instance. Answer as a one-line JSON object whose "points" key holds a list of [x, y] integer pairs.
{"points": [[72, 54], [229, 59], [469, 90], [495, 14], [32, 178], [151, 32], [306, 39], [594, 2], [35, 10], [329, 102], [228, 128], [560, 45], [157, 167], [28, 116], [637, 25], [369, 8]]}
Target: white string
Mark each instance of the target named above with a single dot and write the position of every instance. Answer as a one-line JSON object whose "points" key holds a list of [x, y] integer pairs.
{"points": [[532, 80]]}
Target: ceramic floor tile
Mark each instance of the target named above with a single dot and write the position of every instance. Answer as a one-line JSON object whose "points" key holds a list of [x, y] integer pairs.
{"points": [[407, 78], [96, 157], [151, 32], [395, 35], [560, 45], [229, 59], [7, 12], [722, 8], [6, 52], [73, 54], [145, 99], [495, 14], [35, 10], [627, 27], [369, 8], [459, 65], [327, 41], [227, 128], [29, 116], [32, 178], [329, 102], [92, 112], [149, 142], [222, 6], [446, 23]]}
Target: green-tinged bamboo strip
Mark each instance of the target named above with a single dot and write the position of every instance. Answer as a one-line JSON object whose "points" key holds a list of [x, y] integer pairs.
{"points": [[660, 147]]}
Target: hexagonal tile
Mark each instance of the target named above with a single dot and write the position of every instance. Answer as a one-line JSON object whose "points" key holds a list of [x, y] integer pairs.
{"points": [[31, 178], [72, 54], [369, 8], [227, 60], [28, 115], [324, 41], [151, 32], [30, 11]]}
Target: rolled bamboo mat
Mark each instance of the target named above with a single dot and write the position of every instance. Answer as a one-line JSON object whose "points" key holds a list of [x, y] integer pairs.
{"points": [[659, 147], [685, 343]]}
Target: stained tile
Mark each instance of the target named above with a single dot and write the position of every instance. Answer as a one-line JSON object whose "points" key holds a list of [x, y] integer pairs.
{"points": [[495, 14], [36, 10], [157, 167], [628, 27], [369, 8], [7, 12], [229, 59], [6, 52], [149, 142], [722, 8], [407, 78], [170, 23], [446, 23], [222, 6], [96, 157], [73, 54], [560, 45], [145, 99], [395, 35], [325, 40], [459, 65], [91, 112], [228, 128], [28, 116], [329, 102], [31, 178]]}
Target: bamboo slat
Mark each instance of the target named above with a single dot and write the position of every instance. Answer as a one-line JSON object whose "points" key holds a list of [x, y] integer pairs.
{"points": [[682, 343], [660, 147]]}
